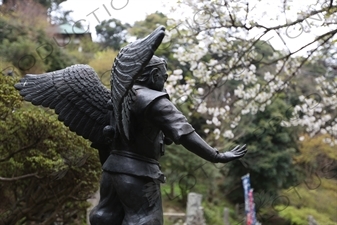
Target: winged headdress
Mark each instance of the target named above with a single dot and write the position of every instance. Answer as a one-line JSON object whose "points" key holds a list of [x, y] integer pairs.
{"points": [[83, 103]]}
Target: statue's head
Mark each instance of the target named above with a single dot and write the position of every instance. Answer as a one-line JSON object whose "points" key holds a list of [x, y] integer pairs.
{"points": [[154, 74]]}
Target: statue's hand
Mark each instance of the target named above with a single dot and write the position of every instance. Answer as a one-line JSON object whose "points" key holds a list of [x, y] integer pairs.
{"points": [[236, 153]]}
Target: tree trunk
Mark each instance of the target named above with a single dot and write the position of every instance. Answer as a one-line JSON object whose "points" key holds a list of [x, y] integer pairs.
{"points": [[172, 190]]}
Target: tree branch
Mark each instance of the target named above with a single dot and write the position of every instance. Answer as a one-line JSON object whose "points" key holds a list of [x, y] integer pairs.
{"points": [[28, 147], [19, 177]]}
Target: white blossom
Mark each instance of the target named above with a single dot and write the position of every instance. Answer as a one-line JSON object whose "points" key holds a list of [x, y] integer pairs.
{"points": [[253, 91], [217, 133], [228, 134]]}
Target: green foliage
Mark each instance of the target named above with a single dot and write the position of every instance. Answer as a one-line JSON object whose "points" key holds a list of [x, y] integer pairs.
{"points": [[187, 172], [102, 62], [315, 193], [30, 49], [9, 99], [49, 3], [23, 55], [11, 29], [87, 51], [112, 33], [300, 216], [213, 214], [63, 170], [310, 154], [270, 157], [63, 18], [47, 172], [45, 3], [142, 28]]}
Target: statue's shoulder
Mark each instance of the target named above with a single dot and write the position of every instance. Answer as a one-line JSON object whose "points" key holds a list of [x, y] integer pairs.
{"points": [[145, 96]]}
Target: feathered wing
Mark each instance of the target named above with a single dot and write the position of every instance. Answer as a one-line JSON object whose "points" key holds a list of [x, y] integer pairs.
{"points": [[127, 66], [78, 97]]}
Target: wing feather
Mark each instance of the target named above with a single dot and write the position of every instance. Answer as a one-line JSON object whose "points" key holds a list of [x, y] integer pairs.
{"points": [[55, 101], [61, 105], [87, 127], [77, 96], [127, 66], [65, 111], [39, 99], [69, 117]]}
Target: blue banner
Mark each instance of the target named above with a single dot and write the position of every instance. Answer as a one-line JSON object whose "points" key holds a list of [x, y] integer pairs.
{"points": [[246, 187], [249, 201]]}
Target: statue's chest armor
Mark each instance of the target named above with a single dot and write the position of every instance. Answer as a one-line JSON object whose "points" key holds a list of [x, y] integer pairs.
{"points": [[148, 140]]}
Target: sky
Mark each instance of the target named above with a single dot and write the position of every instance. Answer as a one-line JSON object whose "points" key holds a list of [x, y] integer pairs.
{"points": [[128, 11]]}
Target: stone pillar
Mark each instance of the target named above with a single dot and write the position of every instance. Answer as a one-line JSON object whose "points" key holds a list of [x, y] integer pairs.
{"points": [[194, 211], [226, 216], [311, 220]]}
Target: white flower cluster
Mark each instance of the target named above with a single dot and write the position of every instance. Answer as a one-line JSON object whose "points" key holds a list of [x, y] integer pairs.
{"points": [[209, 44], [316, 110]]}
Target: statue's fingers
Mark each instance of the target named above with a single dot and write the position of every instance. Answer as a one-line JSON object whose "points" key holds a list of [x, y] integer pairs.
{"points": [[241, 154], [243, 148], [236, 148], [241, 151]]}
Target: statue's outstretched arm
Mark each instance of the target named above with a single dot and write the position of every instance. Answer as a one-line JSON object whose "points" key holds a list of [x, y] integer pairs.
{"points": [[163, 114], [194, 143]]}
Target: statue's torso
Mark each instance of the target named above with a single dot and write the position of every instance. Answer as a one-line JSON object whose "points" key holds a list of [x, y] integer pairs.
{"points": [[146, 138], [146, 145]]}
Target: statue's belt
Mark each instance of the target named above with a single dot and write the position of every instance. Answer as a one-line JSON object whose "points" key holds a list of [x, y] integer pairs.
{"points": [[135, 156], [133, 164]]}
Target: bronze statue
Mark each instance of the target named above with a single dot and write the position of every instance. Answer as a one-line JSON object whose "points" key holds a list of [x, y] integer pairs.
{"points": [[129, 125]]}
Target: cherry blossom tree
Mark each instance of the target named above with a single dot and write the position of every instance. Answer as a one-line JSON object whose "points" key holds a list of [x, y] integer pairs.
{"points": [[243, 54]]}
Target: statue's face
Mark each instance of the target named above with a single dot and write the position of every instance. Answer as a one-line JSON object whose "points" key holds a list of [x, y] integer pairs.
{"points": [[159, 78]]}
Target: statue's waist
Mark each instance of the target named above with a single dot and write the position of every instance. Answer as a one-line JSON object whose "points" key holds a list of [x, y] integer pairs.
{"points": [[142, 151], [134, 155], [133, 164]]}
